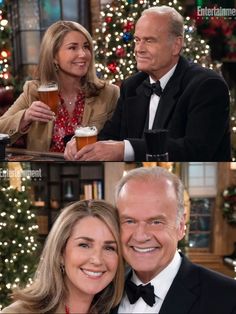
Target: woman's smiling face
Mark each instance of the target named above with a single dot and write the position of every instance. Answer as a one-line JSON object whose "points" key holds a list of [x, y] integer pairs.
{"points": [[90, 257]]}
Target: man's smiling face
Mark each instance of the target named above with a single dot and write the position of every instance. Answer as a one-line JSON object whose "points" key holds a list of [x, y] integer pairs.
{"points": [[149, 228]]}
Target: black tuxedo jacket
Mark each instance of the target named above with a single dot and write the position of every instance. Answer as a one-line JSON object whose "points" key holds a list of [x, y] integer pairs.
{"points": [[197, 290], [194, 107]]}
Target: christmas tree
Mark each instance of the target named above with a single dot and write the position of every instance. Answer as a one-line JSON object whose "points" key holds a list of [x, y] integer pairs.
{"points": [[18, 232], [114, 41]]}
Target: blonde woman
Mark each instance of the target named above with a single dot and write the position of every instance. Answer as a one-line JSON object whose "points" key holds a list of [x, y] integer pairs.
{"points": [[67, 58], [81, 267]]}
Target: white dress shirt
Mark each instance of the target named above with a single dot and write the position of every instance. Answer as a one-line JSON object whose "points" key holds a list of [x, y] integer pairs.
{"points": [[161, 283], [154, 101]]}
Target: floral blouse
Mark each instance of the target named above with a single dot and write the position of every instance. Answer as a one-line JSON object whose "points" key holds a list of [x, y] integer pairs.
{"points": [[65, 124]]}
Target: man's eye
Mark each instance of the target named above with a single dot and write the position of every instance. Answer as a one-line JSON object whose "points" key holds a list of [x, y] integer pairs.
{"points": [[157, 222], [129, 221]]}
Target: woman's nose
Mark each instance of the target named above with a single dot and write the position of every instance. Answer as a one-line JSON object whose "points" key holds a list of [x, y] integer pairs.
{"points": [[96, 257], [81, 52]]}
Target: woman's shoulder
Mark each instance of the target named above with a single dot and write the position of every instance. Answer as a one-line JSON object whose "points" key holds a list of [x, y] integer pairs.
{"points": [[31, 85], [110, 89], [16, 308]]}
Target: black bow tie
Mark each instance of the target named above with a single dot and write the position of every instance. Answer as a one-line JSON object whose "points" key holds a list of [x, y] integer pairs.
{"points": [[155, 88], [135, 292]]}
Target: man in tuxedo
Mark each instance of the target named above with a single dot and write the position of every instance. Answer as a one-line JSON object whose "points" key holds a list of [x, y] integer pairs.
{"points": [[150, 202], [168, 92]]}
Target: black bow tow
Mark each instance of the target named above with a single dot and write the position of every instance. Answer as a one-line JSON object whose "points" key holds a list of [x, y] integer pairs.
{"points": [[134, 292], [154, 88]]}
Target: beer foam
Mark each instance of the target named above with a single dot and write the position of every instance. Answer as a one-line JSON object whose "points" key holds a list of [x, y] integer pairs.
{"points": [[86, 131], [47, 88]]}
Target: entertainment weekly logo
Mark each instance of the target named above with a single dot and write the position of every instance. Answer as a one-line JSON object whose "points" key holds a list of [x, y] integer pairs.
{"points": [[35, 174], [206, 12]]}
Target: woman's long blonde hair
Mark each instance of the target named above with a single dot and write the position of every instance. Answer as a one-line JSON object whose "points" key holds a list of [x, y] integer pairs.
{"points": [[51, 42], [48, 289]]}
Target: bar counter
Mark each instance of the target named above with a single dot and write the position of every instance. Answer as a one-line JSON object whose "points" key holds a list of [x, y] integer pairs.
{"points": [[19, 154]]}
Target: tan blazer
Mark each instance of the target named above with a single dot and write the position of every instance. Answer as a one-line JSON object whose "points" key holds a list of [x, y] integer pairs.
{"points": [[18, 308], [97, 111]]}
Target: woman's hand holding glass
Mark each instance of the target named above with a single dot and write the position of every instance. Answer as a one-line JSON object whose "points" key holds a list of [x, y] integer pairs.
{"points": [[38, 111]]}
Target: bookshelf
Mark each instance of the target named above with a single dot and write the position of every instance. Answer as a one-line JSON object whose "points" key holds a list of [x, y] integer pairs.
{"points": [[61, 184]]}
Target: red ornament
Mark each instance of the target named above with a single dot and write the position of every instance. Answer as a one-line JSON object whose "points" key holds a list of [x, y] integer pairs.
{"points": [[120, 52], [128, 26], [112, 67], [108, 19]]}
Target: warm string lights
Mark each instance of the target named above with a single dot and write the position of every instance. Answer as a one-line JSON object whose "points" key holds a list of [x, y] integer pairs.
{"points": [[114, 43], [18, 239]]}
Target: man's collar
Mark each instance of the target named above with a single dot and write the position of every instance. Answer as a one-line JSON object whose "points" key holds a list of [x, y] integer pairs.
{"points": [[165, 78], [164, 279]]}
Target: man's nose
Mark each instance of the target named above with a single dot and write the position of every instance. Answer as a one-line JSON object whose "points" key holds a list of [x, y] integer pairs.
{"points": [[140, 46], [141, 233]]}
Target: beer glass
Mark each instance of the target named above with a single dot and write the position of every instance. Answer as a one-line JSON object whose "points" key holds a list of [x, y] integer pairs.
{"points": [[48, 94], [85, 135]]}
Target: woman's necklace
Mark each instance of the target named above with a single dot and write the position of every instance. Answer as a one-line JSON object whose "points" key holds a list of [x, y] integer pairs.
{"points": [[70, 100]]}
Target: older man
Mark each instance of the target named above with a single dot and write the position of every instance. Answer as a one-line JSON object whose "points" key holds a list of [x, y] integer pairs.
{"points": [[191, 102], [151, 209]]}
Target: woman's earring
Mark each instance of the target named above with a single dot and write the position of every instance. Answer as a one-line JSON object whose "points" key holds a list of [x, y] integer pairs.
{"points": [[62, 268], [56, 67]]}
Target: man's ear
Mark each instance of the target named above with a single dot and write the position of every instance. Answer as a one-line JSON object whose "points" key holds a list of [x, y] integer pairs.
{"points": [[177, 45], [182, 227]]}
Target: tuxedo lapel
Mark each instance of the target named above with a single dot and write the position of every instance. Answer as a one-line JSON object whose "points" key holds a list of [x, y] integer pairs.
{"points": [[169, 97], [179, 300], [184, 291], [137, 110]]}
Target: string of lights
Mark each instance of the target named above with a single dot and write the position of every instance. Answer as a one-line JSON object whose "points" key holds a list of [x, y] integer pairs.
{"points": [[18, 238]]}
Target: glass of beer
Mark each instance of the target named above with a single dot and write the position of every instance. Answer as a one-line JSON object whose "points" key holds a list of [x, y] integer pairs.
{"points": [[85, 135], [48, 94]]}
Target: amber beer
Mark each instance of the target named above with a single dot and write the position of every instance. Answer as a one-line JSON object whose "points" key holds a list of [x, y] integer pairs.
{"points": [[48, 94], [85, 135]]}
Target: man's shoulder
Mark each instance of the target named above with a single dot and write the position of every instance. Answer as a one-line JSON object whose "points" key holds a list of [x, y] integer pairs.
{"points": [[195, 71], [207, 277]]}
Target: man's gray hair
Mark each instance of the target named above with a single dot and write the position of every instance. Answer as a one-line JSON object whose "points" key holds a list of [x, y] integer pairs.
{"points": [[154, 174], [176, 19]]}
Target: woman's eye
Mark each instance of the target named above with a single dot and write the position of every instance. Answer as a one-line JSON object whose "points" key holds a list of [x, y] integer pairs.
{"points": [[87, 47], [83, 245], [110, 248]]}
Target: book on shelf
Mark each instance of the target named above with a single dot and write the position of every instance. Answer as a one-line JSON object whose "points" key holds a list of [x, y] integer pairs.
{"points": [[88, 191], [93, 190]]}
